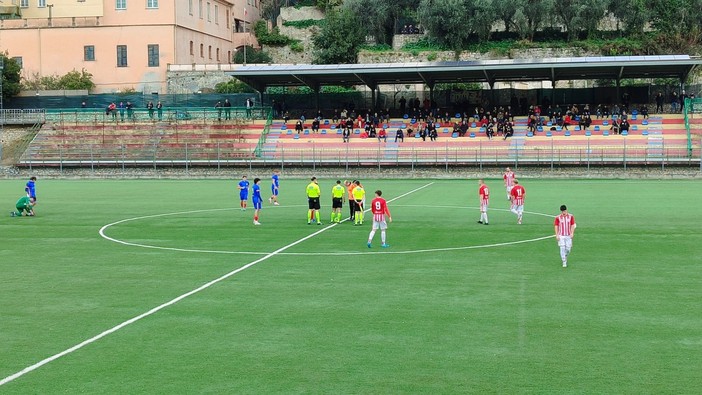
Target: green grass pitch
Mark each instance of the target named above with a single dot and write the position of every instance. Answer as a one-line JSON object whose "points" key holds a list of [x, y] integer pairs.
{"points": [[434, 313]]}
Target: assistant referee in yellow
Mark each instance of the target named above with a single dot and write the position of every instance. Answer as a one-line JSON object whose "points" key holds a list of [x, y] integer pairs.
{"points": [[313, 193]]}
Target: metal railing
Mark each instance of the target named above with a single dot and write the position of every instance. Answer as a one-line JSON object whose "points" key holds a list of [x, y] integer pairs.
{"points": [[195, 115], [22, 117]]}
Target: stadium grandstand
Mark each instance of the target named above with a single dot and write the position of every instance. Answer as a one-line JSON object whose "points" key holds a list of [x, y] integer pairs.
{"points": [[204, 136]]}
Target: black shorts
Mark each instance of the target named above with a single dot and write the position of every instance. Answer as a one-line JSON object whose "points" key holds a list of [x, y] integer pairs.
{"points": [[358, 204], [313, 203], [337, 202]]}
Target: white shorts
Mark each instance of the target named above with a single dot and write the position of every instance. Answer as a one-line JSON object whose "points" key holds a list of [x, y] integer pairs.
{"points": [[565, 241], [509, 190], [380, 225], [483, 207], [518, 209]]}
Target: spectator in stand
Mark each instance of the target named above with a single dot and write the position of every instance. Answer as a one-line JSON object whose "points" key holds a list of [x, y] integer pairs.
{"points": [[319, 115], [464, 128], [399, 135], [433, 134], [490, 130], [112, 110], [382, 135], [121, 111], [346, 135], [349, 123], [616, 111], [624, 126], [227, 109], [422, 132], [566, 121], [457, 129], [299, 126], [150, 107], [130, 110], [585, 121], [315, 125], [509, 130], [286, 117], [364, 135], [605, 111], [615, 128], [372, 131], [446, 118], [674, 102], [644, 111], [659, 103], [335, 116], [403, 106]]}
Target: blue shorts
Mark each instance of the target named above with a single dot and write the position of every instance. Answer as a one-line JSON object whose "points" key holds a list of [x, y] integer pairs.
{"points": [[244, 196], [274, 190], [257, 204]]}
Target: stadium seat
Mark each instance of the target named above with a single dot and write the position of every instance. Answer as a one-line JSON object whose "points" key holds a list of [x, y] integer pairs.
{"points": [[577, 118], [644, 122], [549, 134], [296, 137], [597, 128], [577, 127], [385, 126], [587, 133], [333, 127], [416, 135], [540, 128], [284, 127], [458, 115], [633, 117], [339, 131], [614, 117], [472, 125], [454, 135], [413, 121], [558, 128], [635, 112], [644, 133], [625, 133], [405, 116], [307, 131], [446, 130], [437, 125], [482, 130], [605, 123], [634, 127], [549, 123], [403, 126], [289, 131], [472, 135], [530, 134], [324, 131], [326, 122], [567, 133], [605, 133], [357, 131]]}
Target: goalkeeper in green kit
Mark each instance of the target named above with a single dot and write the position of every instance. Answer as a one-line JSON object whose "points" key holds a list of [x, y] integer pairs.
{"points": [[24, 204]]}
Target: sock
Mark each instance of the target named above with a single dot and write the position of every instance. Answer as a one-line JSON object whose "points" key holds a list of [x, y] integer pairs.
{"points": [[316, 216], [371, 235], [486, 219], [356, 217], [564, 254], [360, 213], [382, 236], [309, 216], [255, 217], [338, 216], [331, 218]]}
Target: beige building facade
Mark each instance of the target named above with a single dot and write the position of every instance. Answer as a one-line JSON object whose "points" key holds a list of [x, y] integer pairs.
{"points": [[125, 44]]}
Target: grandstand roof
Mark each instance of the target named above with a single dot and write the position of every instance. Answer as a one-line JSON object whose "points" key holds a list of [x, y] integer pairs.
{"points": [[547, 69]]}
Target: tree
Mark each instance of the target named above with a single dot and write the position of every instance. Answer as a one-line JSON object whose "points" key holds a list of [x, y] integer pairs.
{"points": [[338, 39], [379, 16], [580, 15], [634, 14], [253, 55], [531, 15], [442, 21], [505, 11], [10, 76], [233, 86], [75, 80]]}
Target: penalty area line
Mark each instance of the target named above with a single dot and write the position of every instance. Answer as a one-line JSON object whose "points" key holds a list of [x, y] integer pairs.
{"points": [[171, 302]]}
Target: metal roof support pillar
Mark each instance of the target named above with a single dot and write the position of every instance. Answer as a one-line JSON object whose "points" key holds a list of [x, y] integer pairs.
{"points": [[618, 98], [316, 98]]}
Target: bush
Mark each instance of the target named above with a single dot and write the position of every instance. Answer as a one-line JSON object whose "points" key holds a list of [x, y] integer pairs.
{"points": [[272, 38], [233, 86], [253, 55], [296, 46], [376, 47]]}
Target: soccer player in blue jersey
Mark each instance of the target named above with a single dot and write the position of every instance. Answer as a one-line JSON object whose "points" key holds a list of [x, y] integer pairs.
{"points": [[243, 192], [256, 199], [275, 183], [30, 189]]}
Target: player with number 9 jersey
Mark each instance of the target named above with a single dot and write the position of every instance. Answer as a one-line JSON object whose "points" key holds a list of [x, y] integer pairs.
{"points": [[379, 208]]}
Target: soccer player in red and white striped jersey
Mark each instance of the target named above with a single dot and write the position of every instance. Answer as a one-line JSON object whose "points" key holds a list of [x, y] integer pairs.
{"points": [[508, 176], [379, 208], [517, 196], [484, 198], [564, 226]]}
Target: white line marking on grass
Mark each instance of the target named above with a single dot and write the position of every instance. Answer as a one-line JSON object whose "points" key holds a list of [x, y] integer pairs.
{"points": [[338, 253], [156, 309]]}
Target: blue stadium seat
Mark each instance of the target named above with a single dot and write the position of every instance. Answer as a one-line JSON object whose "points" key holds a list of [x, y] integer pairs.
{"points": [[473, 124], [324, 131], [530, 134], [549, 134], [284, 127], [587, 133], [339, 131], [416, 135], [605, 123], [635, 112], [644, 122], [307, 131], [403, 126], [625, 133], [644, 133], [482, 130], [472, 135], [597, 128], [326, 122], [357, 131], [458, 115], [333, 127], [289, 132], [605, 133], [454, 135], [296, 137], [445, 130], [549, 123], [437, 125], [633, 117], [577, 127], [567, 133], [540, 128], [634, 127], [558, 128], [405, 116]]}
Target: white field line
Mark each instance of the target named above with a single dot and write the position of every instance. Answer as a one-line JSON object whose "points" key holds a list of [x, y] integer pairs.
{"points": [[156, 309]]}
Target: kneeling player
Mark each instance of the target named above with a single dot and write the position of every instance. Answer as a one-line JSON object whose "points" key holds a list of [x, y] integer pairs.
{"points": [[24, 204]]}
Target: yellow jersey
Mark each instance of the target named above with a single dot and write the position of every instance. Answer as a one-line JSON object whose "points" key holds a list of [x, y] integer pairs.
{"points": [[313, 190], [338, 191], [359, 193]]}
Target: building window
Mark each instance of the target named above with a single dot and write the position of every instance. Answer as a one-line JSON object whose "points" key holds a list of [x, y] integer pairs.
{"points": [[218, 54], [89, 53], [121, 56], [24, 3], [199, 8], [202, 50], [192, 48], [216, 12], [209, 16], [151, 3], [227, 15], [190, 6], [41, 3], [153, 55], [229, 56], [209, 52], [18, 60], [120, 4]]}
